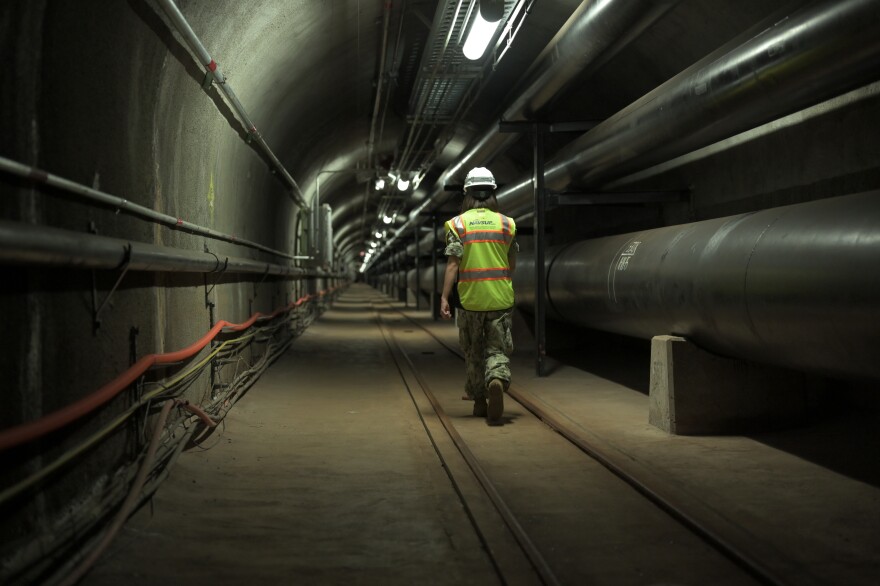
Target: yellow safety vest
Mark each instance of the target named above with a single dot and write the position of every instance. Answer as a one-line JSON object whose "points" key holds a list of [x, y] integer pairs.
{"points": [[484, 280]]}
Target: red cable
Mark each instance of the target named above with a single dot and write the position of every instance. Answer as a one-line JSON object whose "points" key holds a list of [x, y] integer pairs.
{"points": [[27, 432]]}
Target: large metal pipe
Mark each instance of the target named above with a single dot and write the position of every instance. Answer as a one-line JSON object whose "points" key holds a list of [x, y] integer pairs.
{"points": [[817, 53], [796, 286], [594, 30], [39, 245]]}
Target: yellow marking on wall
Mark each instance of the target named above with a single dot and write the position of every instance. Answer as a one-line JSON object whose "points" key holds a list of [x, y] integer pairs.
{"points": [[211, 198]]}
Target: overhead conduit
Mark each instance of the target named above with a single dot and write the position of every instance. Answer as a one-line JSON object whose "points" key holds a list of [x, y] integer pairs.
{"points": [[197, 47], [817, 53], [594, 31]]}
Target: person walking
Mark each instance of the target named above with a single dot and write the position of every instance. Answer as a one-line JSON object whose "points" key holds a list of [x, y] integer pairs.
{"points": [[481, 249]]}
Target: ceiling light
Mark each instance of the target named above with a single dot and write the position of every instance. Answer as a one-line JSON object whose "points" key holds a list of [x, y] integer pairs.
{"points": [[380, 183], [479, 36], [373, 245], [378, 235], [402, 184], [387, 219]]}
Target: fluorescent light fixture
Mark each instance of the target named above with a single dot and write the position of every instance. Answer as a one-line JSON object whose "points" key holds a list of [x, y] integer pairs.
{"points": [[402, 184], [479, 36], [380, 183]]}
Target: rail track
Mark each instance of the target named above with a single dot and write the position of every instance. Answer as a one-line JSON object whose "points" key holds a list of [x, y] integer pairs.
{"points": [[521, 553]]}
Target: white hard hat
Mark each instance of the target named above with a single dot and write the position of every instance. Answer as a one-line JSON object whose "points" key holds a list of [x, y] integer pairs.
{"points": [[479, 179]]}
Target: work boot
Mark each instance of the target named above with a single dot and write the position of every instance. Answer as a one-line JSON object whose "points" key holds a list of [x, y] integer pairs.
{"points": [[480, 407], [496, 402]]}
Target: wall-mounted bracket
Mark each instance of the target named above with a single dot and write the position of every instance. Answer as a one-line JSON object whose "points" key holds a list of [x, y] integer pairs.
{"points": [[96, 309], [537, 130], [220, 271], [260, 282]]}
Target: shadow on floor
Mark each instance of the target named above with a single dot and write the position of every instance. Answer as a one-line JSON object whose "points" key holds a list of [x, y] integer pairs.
{"points": [[621, 359], [846, 440], [841, 436]]}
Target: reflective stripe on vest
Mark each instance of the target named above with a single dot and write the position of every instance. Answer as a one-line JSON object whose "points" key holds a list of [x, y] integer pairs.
{"points": [[484, 280], [483, 274]]}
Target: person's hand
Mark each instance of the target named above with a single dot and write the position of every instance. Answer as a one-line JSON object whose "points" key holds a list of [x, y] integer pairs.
{"points": [[445, 311]]}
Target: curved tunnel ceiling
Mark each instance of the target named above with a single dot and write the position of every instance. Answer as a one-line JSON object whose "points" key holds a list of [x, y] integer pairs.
{"points": [[308, 74]]}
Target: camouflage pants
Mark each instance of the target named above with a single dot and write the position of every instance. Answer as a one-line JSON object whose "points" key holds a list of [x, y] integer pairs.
{"points": [[486, 341]]}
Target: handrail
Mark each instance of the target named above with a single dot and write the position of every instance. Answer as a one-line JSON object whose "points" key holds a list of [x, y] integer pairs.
{"points": [[123, 205]]}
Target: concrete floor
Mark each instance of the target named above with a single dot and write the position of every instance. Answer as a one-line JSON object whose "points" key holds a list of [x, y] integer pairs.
{"points": [[323, 474]]}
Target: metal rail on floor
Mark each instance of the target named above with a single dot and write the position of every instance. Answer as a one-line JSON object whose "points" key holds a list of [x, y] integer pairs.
{"points": [[528, 547], [662, 498]]}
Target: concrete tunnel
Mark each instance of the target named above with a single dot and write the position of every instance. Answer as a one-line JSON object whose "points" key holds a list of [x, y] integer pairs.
{"points": [[175, 168]]}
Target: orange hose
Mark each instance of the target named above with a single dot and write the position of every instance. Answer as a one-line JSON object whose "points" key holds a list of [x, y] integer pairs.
{"points": [[197, 411], [27, 432]]}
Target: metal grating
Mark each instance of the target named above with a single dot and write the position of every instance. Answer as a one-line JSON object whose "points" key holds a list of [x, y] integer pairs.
{"points": [[445, 75]]}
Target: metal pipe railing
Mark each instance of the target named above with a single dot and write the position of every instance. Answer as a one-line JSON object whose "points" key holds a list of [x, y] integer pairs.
{"points": [[39, 245], [197, 47], [125, 206]]}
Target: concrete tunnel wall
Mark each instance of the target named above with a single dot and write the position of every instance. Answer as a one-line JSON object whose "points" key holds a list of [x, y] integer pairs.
{"points": [[101, 93]]}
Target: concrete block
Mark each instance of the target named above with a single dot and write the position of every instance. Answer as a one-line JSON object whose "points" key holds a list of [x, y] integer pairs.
{"points": [[694, 392]]}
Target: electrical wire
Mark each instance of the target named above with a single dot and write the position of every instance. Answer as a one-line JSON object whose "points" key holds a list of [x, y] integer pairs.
{"points": [[27, 432], [171, 389], [130, 500], [71, 454], [164, 391]]}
